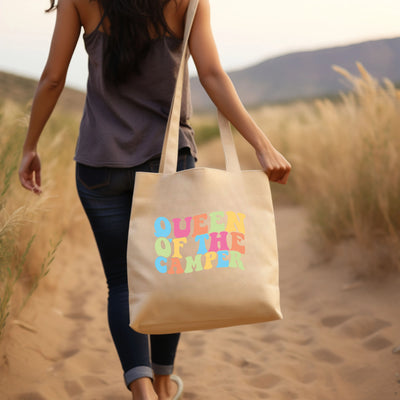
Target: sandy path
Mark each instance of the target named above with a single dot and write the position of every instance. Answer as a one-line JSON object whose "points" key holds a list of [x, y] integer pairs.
{"points": [[335, 342]]}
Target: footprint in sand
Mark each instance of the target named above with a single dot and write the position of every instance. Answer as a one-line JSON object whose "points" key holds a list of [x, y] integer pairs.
{"points": [[304, 341], [377, 343], [362, 326], [246, 367], [326, 355], [265, 381], [334, 320], [69, 353], [73, 388], [249, 368], [78, 315], [271, 338]]}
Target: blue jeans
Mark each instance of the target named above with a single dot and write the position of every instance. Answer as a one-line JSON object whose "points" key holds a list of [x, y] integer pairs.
{"points": [[106, 196]]}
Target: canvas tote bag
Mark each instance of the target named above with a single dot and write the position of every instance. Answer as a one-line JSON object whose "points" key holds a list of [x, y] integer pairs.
{"points": [[202, 249]]}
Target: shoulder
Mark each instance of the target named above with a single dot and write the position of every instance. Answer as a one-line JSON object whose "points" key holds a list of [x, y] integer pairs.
{"points": [[89, 13], [182, 5], [177, 7], [61, 4], [68, 12], [67, 6], [84, 6]]}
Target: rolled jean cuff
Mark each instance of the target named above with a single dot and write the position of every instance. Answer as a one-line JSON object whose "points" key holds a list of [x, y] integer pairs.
{"points": [[162, 369], [136, 373]]}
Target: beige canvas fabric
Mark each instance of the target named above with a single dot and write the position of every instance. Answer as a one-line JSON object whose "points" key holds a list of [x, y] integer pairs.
{"points": [[202, 249]]}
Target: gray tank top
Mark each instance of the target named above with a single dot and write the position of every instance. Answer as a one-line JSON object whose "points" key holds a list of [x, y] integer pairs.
{"points": [[124, 126]]}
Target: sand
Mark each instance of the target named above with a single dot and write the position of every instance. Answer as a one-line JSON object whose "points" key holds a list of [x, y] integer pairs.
{"points": [[336, 341]]}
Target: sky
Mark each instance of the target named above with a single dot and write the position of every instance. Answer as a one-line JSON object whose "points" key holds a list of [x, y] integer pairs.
{"points": [[246, 31]]}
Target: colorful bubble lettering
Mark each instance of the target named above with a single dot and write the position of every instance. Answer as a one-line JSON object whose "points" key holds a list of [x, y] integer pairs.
{"points": [[219, 239]]}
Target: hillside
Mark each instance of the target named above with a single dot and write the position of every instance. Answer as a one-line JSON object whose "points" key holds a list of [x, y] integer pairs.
{"points": [[308, 74], [21, 90]]}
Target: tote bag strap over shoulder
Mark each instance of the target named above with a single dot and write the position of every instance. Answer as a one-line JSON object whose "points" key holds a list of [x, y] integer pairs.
{"points": [[169, 154], [202, 251]]}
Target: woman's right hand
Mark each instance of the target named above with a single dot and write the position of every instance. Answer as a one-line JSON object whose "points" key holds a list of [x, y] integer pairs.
{"points": [[65, 36], [29, 172]]}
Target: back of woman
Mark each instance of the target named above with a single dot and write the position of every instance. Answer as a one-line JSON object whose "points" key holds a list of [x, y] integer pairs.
{"points": [[129, 91], [134, 47]]}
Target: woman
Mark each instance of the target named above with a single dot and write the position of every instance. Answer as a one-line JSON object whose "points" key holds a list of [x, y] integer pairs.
{"points": [[134, 51]]}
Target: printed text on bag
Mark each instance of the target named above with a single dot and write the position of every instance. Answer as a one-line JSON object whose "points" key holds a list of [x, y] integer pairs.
{"points": [[219, 238]]}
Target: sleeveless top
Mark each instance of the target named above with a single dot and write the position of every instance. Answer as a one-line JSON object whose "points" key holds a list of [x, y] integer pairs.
{"points": [[124, 125]]}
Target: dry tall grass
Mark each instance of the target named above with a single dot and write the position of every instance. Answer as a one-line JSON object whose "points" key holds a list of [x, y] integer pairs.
{"points": [[346, 171], [31, 226]]}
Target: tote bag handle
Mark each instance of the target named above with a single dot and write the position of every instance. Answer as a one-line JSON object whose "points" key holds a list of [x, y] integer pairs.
{"points": [[169, 155]]}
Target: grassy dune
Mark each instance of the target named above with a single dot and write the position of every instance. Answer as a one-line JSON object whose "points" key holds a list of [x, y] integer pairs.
{"points": [[346, 167], [31, 227], [345, 171]]}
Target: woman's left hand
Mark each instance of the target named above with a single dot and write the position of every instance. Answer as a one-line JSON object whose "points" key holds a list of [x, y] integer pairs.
{"points": [[274, 165]]}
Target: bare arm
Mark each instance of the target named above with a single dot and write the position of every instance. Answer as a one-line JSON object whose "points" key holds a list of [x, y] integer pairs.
{"points": [[222, 92], [51, 84]]}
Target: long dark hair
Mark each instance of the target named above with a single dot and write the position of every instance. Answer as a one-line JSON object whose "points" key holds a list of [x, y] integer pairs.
{"points": [[133, 25]]}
